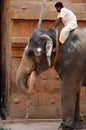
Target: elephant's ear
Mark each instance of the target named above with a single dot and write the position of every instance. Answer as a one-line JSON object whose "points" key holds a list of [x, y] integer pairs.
{"points": [[49, 47]]}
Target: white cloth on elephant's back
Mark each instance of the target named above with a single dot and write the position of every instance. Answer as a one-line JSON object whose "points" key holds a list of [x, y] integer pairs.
{"points": [[70, 22]]}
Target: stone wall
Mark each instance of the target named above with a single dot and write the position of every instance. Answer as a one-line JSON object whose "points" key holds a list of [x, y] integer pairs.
{"points": [[46, 103]]}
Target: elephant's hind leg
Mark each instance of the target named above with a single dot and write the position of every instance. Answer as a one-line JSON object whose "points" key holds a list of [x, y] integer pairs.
{"points": [[78, 124], [69, 94]]}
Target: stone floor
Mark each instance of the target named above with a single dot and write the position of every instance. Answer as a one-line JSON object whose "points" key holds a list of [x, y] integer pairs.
{"points": [[38, 125]]}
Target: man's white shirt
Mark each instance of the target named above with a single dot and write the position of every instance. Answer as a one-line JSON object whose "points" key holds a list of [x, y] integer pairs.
{"points": [[68, 17]]}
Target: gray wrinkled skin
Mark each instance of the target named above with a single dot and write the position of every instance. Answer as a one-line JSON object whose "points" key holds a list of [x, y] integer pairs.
{"points": [[71, 66]]}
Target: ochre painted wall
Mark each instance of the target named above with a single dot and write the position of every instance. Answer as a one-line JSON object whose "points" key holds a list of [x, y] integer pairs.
{"points": [[46, 103]]}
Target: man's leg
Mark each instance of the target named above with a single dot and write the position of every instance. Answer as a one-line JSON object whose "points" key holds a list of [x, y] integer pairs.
{"points": [[64, 33]]}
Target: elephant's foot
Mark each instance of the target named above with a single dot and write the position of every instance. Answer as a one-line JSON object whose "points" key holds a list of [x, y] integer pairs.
{"points": [[63, 127], [66, 128], [78, 125]]}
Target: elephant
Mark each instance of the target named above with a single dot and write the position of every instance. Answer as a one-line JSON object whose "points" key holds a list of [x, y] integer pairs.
{"points": [[39, 56]]}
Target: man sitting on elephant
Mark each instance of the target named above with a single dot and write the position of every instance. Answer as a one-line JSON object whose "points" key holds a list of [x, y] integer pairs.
{"points": [[68, 18]]}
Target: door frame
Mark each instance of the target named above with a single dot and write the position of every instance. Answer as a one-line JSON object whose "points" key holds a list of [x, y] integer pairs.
{"points": [[5, 49]]}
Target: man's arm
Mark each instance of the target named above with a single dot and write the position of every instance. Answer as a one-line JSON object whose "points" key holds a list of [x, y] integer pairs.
{"points": [[56, 23]]}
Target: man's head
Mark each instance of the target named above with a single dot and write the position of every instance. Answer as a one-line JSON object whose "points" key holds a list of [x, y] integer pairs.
{"points": [[58, 6]]}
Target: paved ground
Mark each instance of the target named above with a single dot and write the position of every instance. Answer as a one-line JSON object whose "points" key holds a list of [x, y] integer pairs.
{"points": [[51, 125], [32, 126]]}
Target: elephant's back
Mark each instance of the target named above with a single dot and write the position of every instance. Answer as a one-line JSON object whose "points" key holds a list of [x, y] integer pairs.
{"points": [[80, 34], [73, 52], [78, 39]]}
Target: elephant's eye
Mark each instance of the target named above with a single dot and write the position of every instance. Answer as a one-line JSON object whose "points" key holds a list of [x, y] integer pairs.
{"points": [[42, 41]]}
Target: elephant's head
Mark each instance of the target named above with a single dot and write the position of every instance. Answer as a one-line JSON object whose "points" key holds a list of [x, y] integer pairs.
{"points": [[37, 57]]}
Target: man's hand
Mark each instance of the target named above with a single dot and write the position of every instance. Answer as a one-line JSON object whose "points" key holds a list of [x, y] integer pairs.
{"points": [[56, 23], [53, 28]]}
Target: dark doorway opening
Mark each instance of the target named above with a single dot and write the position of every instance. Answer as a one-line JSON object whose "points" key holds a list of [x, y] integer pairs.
{"points": [[2, 86], [0, 49]]}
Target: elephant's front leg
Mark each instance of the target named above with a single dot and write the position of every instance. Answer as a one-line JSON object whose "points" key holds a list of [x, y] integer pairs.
{"points": [[68, 103], [78, 123]]}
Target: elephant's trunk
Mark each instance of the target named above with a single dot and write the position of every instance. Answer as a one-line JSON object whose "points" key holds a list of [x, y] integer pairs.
{"points": [[25, 78], [31, 83]]}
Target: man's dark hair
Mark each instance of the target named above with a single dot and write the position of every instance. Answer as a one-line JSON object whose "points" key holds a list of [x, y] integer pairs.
{"points": [[59, 4]]}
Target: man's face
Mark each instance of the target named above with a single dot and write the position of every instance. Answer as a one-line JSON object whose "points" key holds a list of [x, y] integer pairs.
{"points": [[58, 8]]}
